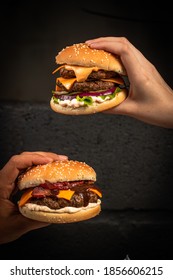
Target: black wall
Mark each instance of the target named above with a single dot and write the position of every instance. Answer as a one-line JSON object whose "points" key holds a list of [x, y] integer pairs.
{"points": [[133, 160]]}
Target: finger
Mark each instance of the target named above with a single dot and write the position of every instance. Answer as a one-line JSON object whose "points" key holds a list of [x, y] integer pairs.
{"points": [[101, 39], [132, 59], [53, 156], [127, 107], [128, 58], [11, 170], [110, 44]]}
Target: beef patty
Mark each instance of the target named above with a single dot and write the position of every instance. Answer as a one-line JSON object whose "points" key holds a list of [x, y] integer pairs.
{"points": [[78, 200], [96, 75]]}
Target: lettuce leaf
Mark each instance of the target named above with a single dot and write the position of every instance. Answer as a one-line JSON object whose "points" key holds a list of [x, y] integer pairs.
{"points": [[88, 99]]}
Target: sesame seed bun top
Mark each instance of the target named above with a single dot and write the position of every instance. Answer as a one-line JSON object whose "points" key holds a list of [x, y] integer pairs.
{"points": [[57, 171], [82, 55]]}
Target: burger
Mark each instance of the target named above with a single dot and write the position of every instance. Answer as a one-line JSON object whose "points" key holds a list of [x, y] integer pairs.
{"points": [[59, 192], [89, 81]]}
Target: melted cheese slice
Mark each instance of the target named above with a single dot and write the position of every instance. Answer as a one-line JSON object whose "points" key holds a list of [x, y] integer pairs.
{"points": [[116, 80], [67, 194], [81, 72], [25, 197], [67, 83], [96, 191]]}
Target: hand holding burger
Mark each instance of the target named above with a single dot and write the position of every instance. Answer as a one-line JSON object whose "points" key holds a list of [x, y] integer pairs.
{"points": [[89, 81], [150, 98], [59, 192], [12, 223]]}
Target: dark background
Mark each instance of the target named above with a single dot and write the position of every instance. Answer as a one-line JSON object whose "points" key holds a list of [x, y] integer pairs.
{"points": [[133, 160]]}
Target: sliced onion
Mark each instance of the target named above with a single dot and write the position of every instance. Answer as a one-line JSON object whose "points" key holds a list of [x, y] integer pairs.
{"points": [[89, 93]]}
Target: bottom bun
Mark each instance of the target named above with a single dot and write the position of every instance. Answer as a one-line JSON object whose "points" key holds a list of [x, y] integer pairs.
{"points": [[91, 109], [60, 218]]}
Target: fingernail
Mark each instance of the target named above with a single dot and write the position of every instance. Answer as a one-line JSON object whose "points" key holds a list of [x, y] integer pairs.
{"points": [[89, 42], [62, 157]]}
